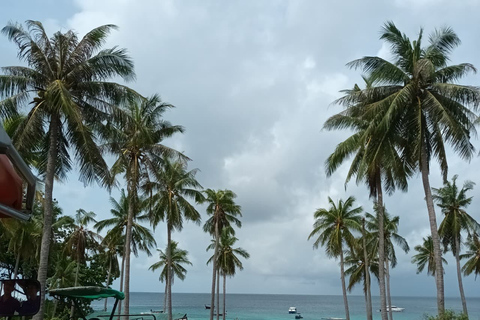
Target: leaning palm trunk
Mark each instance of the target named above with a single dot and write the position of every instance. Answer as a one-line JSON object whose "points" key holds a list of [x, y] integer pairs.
{"points": [[344, 289], [132, 194], [381, 247], [434, 230], [224, 295], [122, 272], [108, 282], [212, 301], [72, 308], [368, 298], [389, 297], [48, 213], [459, 276], [218, 294], [169, 271]]}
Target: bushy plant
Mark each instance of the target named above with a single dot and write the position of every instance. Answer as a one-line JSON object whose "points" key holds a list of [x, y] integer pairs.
{"points": [[448, 315]]}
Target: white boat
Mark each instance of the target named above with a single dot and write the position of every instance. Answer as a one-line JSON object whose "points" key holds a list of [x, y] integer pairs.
{"points": [[292, 310], [394, 309]]}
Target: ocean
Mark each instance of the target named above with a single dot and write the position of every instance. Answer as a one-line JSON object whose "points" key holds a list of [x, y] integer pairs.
{"points": [[275, 306]]}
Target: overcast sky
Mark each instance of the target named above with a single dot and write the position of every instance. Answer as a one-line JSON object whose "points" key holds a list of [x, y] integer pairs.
{"points": [[253, 82]]}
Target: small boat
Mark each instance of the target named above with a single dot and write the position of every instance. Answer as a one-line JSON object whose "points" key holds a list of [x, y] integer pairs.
{"points": [[182, 318], [298, 316], [156, 311], [207, 306], [394, 309], [292, 310]]}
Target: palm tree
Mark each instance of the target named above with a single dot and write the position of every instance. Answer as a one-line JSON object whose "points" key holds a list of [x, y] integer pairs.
{"points": [[333, 228], [376, 157], [453, 203], [358, 268], [81, 240], [391, 233], [112, 249], [426, 257], [472, 265], [172, 261], [142, 237], [172, 187], [135, 139], [65, 87], [228, 259], [424, 106], [223, 212], [23, 239]]}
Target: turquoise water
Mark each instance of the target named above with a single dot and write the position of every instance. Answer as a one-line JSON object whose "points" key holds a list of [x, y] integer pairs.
{"points": [[275, 307]]}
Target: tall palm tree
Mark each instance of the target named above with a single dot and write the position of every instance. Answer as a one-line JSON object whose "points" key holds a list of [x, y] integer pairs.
{"points": [[223, 212], [358, 269], [172, 187], [172, 261], [391, 233], [376, 161], [332, 228], [472, 265], [426, 257], [66, 90], [228, 259], [423, 105], [453, 203], [142, 237], [135, 139]]}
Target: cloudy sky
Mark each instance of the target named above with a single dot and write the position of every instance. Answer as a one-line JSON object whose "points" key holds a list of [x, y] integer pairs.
{"points": [[253, 82]]}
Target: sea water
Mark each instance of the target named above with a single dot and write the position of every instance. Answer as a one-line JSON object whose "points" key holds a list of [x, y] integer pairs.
{"points": [[275, 306]]}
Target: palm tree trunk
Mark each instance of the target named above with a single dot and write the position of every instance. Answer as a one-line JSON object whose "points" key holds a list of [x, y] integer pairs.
{"points": [[218, 294], [389, 297], [47, 213], [108, 282], [169, 271], [224, 295], [17, 264], [165, 297], [381, 247], [459, 276], [72, 308], [122, 272], [344, 288], [434, 230], [212, 299], [132, 195], [368, 301]]}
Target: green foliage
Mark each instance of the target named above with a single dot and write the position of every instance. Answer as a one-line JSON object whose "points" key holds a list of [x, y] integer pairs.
{"points": [[448, 315]]}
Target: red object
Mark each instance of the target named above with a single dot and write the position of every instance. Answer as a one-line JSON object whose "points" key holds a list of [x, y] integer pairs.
{"points": [[10, 185]]}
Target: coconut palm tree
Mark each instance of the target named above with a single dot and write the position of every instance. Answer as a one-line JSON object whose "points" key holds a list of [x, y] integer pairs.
{"points": [[112, 250], [142, 237], [391, 233], [376, 159], [472, 265], [228, 259], [172, 258], [423, 105], [81, 240], [359, 266], [65, 86], [223, 212], [333, 228], [172, 187], [135, 139], [453, 203], [426, 257]]}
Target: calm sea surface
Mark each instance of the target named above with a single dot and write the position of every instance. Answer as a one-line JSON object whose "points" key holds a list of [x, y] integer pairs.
{"points": [[275, 307]]}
